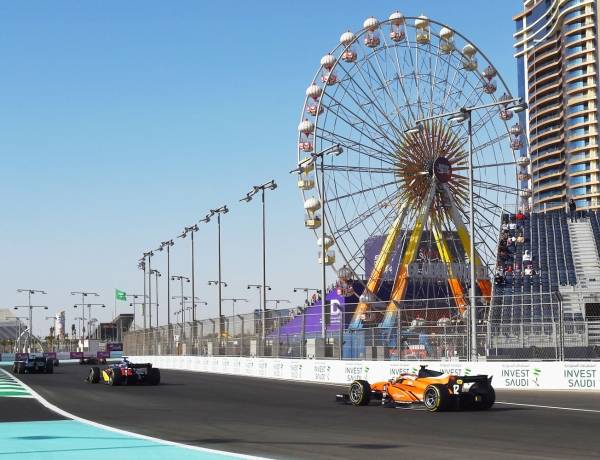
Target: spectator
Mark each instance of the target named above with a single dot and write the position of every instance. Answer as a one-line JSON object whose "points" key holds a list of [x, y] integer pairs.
{"points": [[512, 225], [205, 350], [521, 238], [527, 256], [528, 270], [573, 210], [416, 322], [520, 216], [444, 321], [517, 269], [505, 225], [509, 269]]}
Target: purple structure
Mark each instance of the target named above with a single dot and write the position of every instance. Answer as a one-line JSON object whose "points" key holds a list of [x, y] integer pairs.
{"points": [[313, 318]]}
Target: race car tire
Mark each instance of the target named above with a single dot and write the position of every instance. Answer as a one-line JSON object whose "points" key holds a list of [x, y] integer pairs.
{"points": [[360, 393], [154, 377], [94, 376], [115, 378], [15, 368], [20, 368], [487, 400], [436, 398], [56, 362], [80, 360], [49, 367]]}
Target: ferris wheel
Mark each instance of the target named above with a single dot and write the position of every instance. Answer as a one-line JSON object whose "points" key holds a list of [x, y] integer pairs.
{"points": [[399, 195]]}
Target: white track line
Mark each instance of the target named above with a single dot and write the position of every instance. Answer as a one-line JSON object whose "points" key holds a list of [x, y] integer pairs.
{"points": [[549, 407], [127, 433]]}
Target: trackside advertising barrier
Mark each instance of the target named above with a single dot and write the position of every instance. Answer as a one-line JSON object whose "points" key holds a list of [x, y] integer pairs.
{"points": [[520, 375]]}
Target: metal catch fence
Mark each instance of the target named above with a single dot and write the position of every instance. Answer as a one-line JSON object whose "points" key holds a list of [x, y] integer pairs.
{"points": [[418, 330]]}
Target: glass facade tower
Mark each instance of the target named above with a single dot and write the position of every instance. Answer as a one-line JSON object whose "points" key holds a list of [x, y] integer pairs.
{"points": [[557, 55]]}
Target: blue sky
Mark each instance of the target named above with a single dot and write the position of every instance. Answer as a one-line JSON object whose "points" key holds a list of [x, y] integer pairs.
{"points": [[123, 122]]}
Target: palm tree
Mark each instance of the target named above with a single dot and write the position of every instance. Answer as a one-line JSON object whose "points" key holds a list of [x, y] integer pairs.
{"points": [[11, 343], [3, 342]]}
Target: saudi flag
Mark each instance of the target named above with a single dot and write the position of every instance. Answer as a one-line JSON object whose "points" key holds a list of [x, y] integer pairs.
{"points": [[120, 295]]}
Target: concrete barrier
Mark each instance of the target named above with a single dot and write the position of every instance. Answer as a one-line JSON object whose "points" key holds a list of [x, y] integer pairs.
{"points": [[520, 375]]}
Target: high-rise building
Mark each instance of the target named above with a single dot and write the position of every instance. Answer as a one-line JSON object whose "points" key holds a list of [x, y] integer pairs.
{"points": [[557, 54]]}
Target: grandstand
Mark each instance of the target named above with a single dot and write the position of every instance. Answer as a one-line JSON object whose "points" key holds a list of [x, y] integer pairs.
{"points": [[531, 310]]}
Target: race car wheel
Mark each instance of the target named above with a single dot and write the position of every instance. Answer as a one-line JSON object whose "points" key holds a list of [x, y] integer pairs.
{"points": [[20, 368], [360, 393], [94, 376], [15, 368], [115, 377], [436, 398], [56, 362], [487, 400], [49, 367], [80, 360], [154, 377]]}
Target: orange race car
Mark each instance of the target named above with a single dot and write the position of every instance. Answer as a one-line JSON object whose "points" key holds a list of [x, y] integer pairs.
{"points": [[435, 390]]}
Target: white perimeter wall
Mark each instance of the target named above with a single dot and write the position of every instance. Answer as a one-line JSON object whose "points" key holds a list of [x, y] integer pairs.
{"points": [[521, 375]]}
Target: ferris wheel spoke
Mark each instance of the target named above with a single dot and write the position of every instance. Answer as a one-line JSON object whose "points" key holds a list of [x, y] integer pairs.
{"points": [[354, 120], [362, 72], [355, 146], [363, 192], [361, 216], [399, 80], [402, 122], [358, 169]]}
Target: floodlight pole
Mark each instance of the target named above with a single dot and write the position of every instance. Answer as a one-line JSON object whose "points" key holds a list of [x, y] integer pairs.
{"points": [[31, 307]]}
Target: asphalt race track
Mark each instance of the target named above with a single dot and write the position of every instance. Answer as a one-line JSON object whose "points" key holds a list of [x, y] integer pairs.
{"points": [[290, 420]]}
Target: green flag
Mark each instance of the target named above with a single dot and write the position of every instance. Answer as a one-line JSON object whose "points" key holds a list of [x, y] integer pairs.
{"points": [[120, 295]]}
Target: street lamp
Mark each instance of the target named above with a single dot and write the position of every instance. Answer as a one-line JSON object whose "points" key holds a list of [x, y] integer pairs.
{"points": [[259, 287], [157, 273], [307, 290], [222, 210], [177, 313], [31, 307], [271, 185], [149, 255], [191, 230], [277, 302], [79, 334], [168, 244], [464, 114], [233, 303], [182, 279], [336, 150], [91, 323], [89, 305], [135, 296], [142, 266], [193, 306]]}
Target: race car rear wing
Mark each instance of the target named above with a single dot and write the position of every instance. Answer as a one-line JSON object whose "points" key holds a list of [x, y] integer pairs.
{"points": [[147, 366], [482, 381]]}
